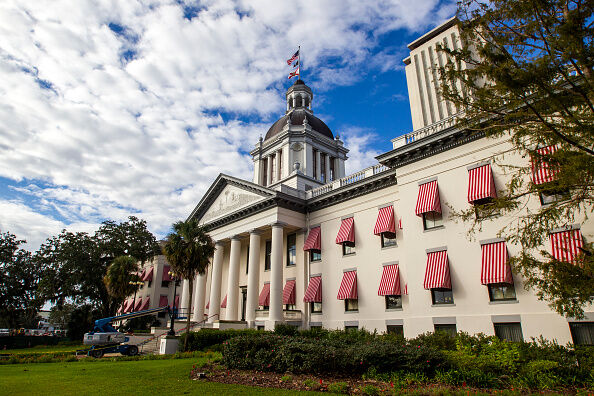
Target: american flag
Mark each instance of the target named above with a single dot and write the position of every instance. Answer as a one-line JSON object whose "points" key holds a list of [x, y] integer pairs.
{"points": [[295, 56]]}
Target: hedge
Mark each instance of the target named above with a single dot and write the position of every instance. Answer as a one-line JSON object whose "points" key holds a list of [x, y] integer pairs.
{"points": [[209, 338]]}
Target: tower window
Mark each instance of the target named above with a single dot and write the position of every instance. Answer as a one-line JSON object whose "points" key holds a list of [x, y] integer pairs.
{"points": [[332, 171], [298, 101], [323, 167], [315, 163], [265, 172]]}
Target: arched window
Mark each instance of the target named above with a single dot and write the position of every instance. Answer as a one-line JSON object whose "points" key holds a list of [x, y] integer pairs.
{"points": [[290, 103], [298, 101], [306, 100]]}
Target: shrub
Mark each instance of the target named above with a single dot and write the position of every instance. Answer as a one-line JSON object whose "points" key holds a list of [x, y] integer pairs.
{"points": [[370, 390], [311, 384], [209, 338], [286, 378], [284, 329], [339, 387]]}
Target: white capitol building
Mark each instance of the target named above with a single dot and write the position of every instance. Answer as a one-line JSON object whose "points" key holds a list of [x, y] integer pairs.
{"points": [[305, 244]]}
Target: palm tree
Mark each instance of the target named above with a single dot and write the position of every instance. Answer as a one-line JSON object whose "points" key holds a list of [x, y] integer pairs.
{"points": [[121, 278], [188, 250]]}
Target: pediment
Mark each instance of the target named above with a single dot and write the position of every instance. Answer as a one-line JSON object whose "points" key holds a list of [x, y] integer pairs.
{"points": [[227, 195]]}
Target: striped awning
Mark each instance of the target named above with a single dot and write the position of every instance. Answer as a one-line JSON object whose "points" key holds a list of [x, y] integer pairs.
{"points": [[166, 277], [145, 303], [148, 275], [495, 268], [348, 286], [314, 290], [542, 171], [346, 233], [141, 274], [224, 303], [289, 292], [428, 199], [385, 221], [138, 304], [264, 298], [437, 274], [390, 282], [400, 224], [163, 301], [480, 183], [208, 304], [314, 240], [176, 301], [128, 306], [566, 245]]}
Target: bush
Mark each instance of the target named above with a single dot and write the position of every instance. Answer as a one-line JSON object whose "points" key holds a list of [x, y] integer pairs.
{"points": [[284, 329], [339, 387], [209, 338]]}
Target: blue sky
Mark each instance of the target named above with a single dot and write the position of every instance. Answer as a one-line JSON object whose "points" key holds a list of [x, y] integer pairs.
{"points": [[111, 108]]}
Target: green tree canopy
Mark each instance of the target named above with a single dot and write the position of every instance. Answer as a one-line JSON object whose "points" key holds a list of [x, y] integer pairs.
{"points": [[525, 73], [120, 273], [188, 250]]}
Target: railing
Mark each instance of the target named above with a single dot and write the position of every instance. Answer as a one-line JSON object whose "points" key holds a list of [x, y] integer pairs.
{"points": [[288, 314], [413, 136], [345, 181]]}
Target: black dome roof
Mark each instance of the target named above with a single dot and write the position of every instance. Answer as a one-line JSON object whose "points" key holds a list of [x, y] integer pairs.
{"points": [[297, 117]]}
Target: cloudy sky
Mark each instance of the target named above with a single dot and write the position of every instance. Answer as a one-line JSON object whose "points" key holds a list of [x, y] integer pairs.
{"points": [[113, 108]]}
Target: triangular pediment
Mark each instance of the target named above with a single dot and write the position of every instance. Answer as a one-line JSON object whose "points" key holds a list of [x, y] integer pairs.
{"points": [[227, 195]]}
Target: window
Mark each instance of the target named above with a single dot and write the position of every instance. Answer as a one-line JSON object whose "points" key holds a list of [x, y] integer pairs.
{"points": [[315, 255], [290, 307], [150, 283], [509, 331], [267, 255], [484, 208], [265, 307], [582, 333], [332, 171], [265, 172], [446, 328], [348, 248], [388, 239], [316, 307], [315, 327], [553, 195], [393, 302], [351, 328], [323, 167], [395, 329], [260, 327], [351, 305], [315, 163], [432, 220], [247, 260], [164, 283], [502, 292], [291, 250], [442, 296]]}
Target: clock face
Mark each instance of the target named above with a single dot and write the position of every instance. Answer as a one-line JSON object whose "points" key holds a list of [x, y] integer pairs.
{"points": [[297, 147]]}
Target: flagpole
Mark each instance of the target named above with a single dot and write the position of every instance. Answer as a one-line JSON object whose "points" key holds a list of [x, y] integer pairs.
{"points": [[299, 62]]}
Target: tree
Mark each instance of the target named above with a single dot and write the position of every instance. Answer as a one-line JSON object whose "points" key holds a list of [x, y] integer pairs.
{"points": [[60, 316], [76, 263], [525, 73], [188, 250], [120, 274], [19, 277]]}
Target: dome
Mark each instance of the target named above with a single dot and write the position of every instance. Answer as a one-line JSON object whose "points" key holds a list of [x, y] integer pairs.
{"points": [[297, 116]]}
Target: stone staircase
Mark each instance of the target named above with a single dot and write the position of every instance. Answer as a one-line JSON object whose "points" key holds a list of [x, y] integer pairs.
{"points": [[152, 345]]}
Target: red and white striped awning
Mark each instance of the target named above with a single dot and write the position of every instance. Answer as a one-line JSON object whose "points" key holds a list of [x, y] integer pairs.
{"points": [[495, 268], [346, 233], [141, 274], [348, 286], [128, 306], [480, 183], [542, 171], [314, 290], [176, 301], [566, 245], [437, 274], [390, 282], [224, 303], [163, 301], [208, 304], [138, 304], [148, 275], [145, 303], [166, 277], [385, 221], [264, 298], [428, 199], [289, 292], [314, 240]]}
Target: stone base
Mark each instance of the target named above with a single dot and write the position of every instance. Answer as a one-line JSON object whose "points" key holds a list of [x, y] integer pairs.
{"points": [[168, 345], [271, 324], [229, 324]]}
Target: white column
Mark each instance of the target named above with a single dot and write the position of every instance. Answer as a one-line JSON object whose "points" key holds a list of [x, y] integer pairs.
{"points": [[276, 275], [253, 278], [318, 165], [215, 283], [233, 279], [185, 297], [199, 297], [328, 158]]}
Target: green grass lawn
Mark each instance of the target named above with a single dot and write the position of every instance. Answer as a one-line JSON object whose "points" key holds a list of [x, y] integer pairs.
{"points": [[43, 349], [143, 377]]}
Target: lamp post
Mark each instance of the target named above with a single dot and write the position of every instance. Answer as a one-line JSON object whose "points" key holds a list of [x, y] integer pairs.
{"points": [[136, 284], [171, 331]]}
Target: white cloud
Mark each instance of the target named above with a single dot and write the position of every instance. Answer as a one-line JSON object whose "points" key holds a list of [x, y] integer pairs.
{"points": [[359, 141], [116, 105]]}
